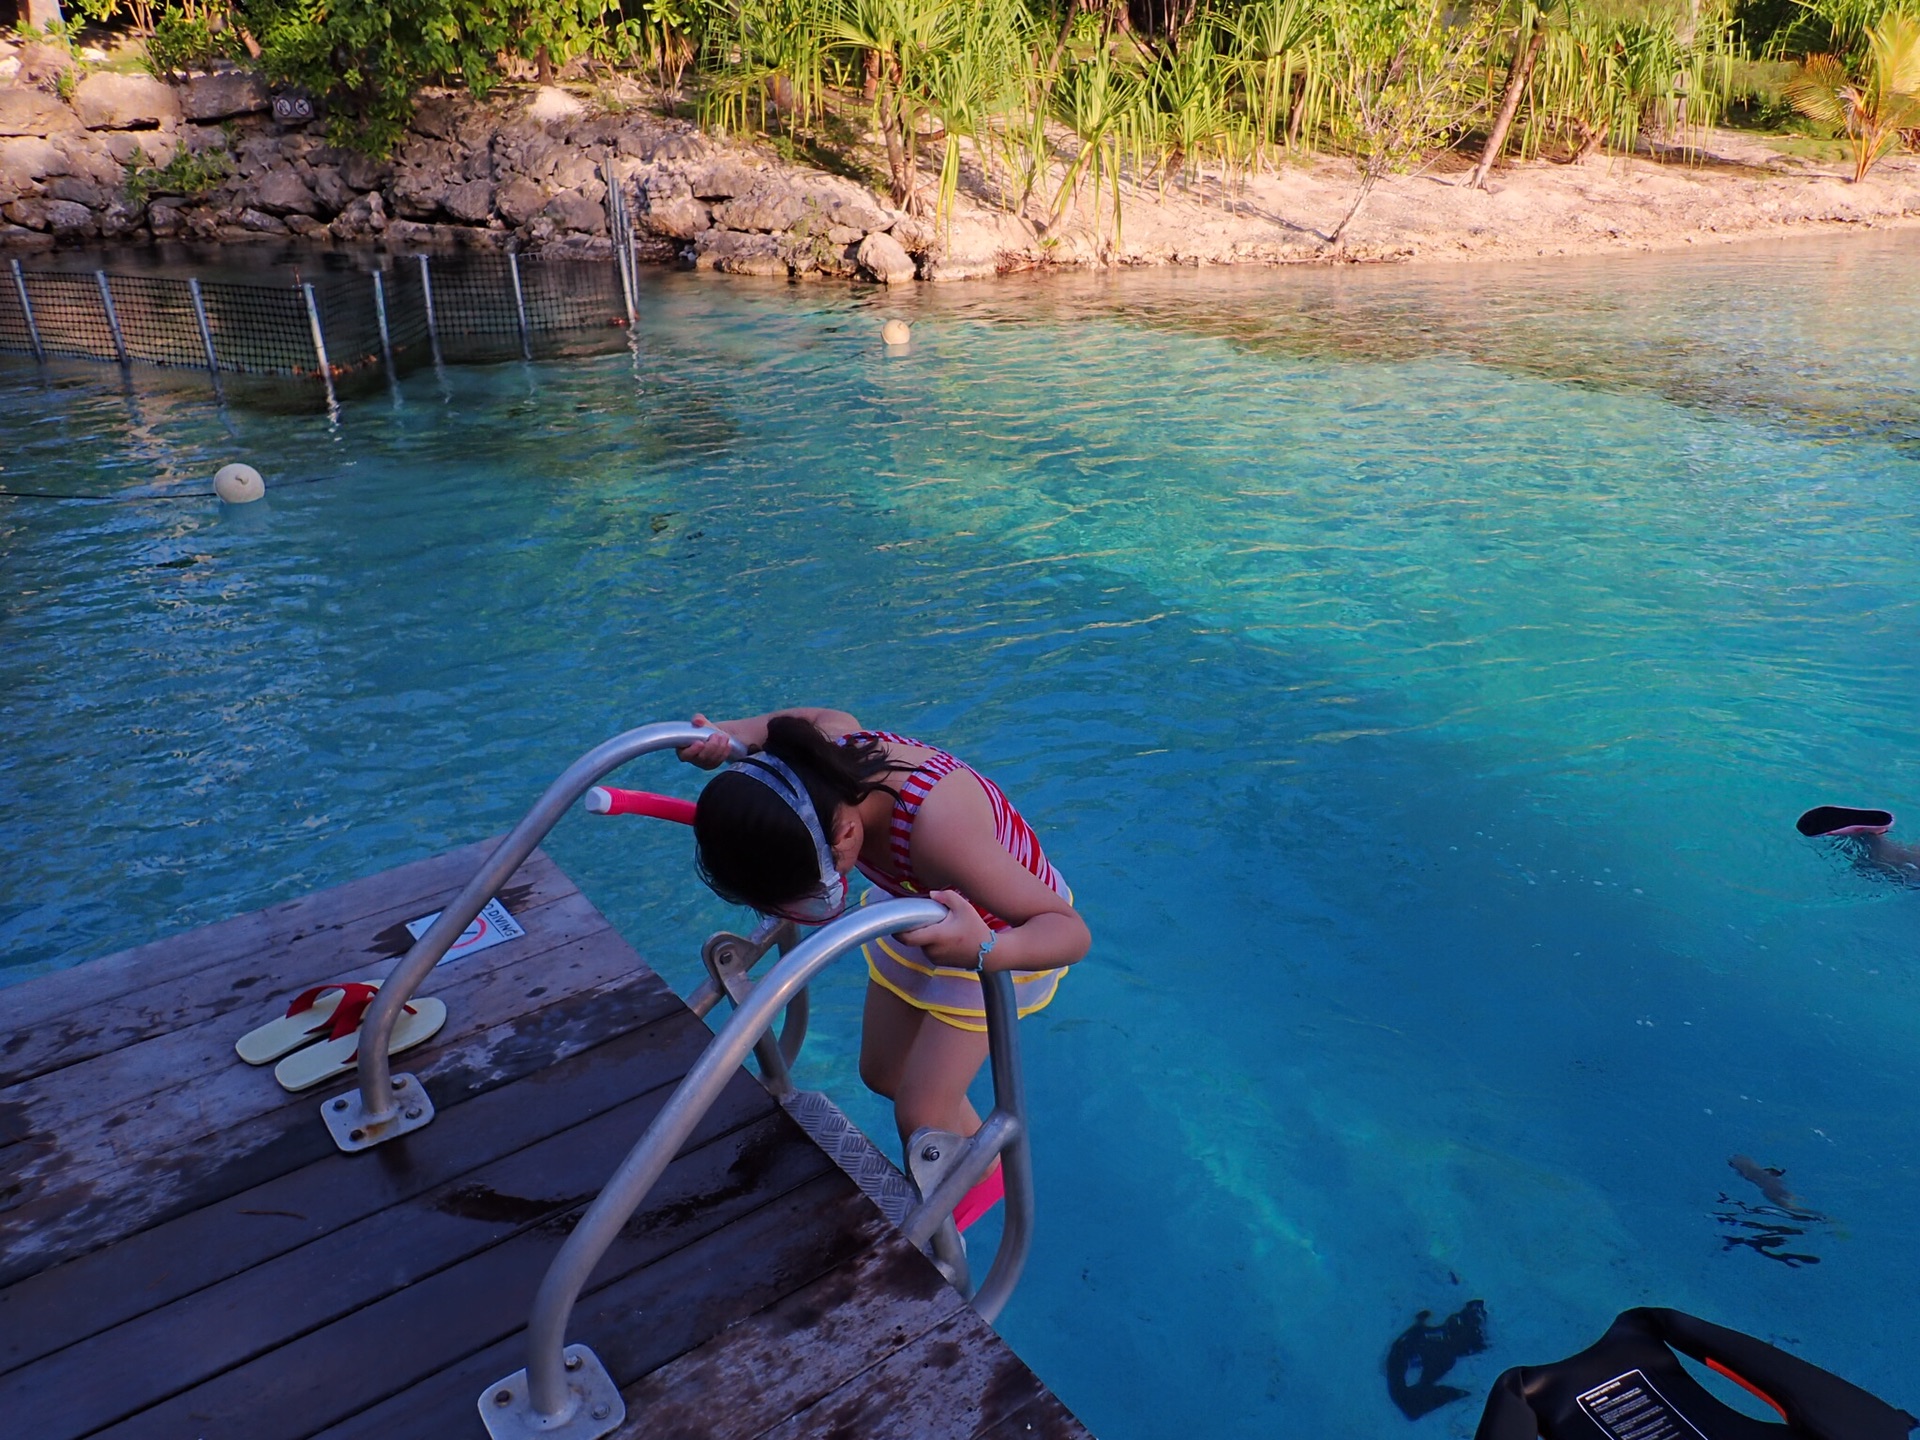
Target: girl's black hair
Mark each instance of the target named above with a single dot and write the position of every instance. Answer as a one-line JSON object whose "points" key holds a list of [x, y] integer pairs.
{"points": [[750, 847]]}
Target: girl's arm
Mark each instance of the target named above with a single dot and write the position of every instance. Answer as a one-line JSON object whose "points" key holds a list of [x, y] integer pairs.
{"points": [[712, 754], [954, 848]]}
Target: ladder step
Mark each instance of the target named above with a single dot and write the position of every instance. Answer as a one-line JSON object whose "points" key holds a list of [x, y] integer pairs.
{"points": [[878, 1178]]}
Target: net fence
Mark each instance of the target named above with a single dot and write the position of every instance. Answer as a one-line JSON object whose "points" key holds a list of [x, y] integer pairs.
{"points": [[416, 310]]}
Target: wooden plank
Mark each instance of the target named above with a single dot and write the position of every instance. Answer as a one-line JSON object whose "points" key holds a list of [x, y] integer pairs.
{"points": [[1044, 1418], [348, 946], [36, 1001], [196, 1067], [730, 1170], [754, 1374], [67, 1303], [56, 1222], [952, 1383], [456, 1328]]}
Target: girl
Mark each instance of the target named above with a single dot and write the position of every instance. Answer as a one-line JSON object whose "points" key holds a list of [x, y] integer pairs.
{"points": [[781, 830]]}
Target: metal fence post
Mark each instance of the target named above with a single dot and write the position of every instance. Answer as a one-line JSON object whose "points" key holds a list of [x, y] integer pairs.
{"points": [[26, 307], [520, 304], [433, 331], [113, 316], [380, 314], [206, 332], [319, 345], [617, 227]]}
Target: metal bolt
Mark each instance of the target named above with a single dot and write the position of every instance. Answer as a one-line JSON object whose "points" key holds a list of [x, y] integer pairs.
{"points": [[399, 1082], [503, 1397], [356, 1134], [602, 1410], [414, 1113], [573, 1362], [341, 1103], [930, 1153]]}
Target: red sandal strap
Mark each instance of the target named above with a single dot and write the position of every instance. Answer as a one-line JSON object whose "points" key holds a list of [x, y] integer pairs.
{"points": [[353, 1007]]}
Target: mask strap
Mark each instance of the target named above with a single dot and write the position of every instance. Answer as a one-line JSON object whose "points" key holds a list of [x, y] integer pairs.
{"points": [[778, 776]]}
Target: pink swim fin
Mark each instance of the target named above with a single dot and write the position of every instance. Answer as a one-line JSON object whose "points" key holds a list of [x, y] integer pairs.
{"points": [[980, 1199], [1833, 820]]}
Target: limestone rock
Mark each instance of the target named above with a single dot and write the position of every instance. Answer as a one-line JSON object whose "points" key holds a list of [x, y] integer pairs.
{"points": [[435, 116], [572, 210], [915, 234], [278, 192], [28, 158], [721, 181], [667, 207], [363, 172], [734, 253], [120, 218], [42, 64], [306, 225], [768, 207], [882, 257], [82, 190], [331, 189], [417, 191], [679, 147], [365, 217], [573, 171], [471, 203], [18, 237], [61, 217], [164, 220], [224, 95], [107, 101], [519, 200], [25, 111]]}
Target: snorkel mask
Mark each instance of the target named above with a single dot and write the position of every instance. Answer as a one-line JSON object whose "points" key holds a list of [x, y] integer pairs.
{"points": [[830, 899]]}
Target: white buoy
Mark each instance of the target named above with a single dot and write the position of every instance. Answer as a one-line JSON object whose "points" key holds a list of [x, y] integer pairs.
{"points": [[896, 332], [239, 484]]}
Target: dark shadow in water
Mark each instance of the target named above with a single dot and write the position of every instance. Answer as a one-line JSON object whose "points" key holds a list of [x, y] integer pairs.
{"points": [[1430, 1351]]}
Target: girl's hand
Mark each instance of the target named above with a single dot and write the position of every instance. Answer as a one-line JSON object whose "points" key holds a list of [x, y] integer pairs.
{"points": [[956, 940], [711, 753]]}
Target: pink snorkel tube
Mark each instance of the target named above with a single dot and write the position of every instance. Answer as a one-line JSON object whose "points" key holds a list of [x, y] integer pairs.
{"points": [[605, 800]]}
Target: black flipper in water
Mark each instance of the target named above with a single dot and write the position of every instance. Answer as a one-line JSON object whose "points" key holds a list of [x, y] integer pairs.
{"points": [[1843, 820], [1432, 1351], [1631, 1384]]}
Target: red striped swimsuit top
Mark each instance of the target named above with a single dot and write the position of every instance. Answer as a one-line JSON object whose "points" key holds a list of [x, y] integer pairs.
{"points": [[1015, 835]]}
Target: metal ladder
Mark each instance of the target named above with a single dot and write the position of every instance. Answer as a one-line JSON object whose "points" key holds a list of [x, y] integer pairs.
{"points": [[565, 1393]]}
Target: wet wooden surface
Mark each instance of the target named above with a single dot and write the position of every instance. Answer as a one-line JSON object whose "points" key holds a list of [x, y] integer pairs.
{"points": [[184, 1253]]}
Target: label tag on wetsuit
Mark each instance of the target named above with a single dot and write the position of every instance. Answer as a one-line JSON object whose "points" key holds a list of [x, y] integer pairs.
{"points": [[1627, 1407]]}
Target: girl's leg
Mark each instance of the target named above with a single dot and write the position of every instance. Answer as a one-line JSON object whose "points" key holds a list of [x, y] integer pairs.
{"points": [[940, 1064], [886, 1035]]}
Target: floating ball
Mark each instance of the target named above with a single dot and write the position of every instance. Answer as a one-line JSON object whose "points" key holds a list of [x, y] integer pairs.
{"points": [[239, 484], [896, 332]]}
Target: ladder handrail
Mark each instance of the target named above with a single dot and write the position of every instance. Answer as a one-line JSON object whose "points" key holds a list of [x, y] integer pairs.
{"points": [[377, 1107], [549, 1400]]}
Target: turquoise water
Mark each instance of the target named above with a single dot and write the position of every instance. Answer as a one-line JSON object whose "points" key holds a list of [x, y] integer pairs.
{"points": [[1416, 672]]}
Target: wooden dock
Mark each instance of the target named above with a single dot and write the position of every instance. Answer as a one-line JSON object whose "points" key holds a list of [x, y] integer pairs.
{"points": [[184, 1255]]}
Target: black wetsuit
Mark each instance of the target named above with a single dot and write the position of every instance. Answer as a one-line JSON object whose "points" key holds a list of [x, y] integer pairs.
{"points": [[1631, 1387]]}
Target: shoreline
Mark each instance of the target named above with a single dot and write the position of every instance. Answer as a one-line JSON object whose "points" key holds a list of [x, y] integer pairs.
{"points": [[528, 170]]}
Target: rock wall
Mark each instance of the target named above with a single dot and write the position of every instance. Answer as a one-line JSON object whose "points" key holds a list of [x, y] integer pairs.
{"points": [[516, 172]]}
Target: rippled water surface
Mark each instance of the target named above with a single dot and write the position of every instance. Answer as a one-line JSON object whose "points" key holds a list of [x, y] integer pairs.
{"points": [[1416, 671]]}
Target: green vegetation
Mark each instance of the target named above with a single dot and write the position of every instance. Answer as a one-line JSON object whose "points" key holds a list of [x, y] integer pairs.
{"points": [[1066, 99], [186, 173], [1873, 104]]}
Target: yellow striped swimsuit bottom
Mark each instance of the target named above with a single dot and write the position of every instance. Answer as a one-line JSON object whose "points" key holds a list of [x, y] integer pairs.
{"points": [[949, 995]]}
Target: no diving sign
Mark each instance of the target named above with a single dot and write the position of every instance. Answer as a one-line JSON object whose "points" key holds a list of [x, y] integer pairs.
{"points": [[492, 926]]}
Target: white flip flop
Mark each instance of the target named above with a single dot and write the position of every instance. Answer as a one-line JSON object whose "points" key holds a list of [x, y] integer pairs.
{"points": [[308, 1018], [303, 1069]]}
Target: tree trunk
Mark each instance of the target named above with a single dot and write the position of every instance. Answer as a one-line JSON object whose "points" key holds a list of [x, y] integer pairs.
{"points": [[899, 174], [1591, 139], [42, 14], [1297, 113], [543, 65], [1368, 179], [869, 74], [1517, 79]]}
